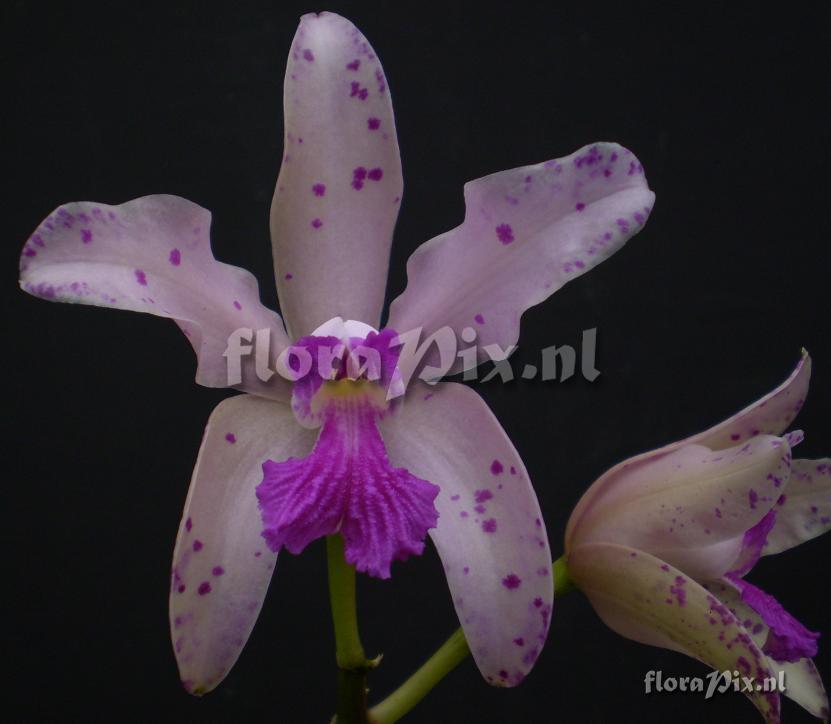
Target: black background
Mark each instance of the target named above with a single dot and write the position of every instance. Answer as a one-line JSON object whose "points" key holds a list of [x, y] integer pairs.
{"points": [[701, 313]]}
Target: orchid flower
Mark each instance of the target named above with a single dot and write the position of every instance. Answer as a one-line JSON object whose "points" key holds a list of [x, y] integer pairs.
{"points": [[661, 543], [330, 453]]}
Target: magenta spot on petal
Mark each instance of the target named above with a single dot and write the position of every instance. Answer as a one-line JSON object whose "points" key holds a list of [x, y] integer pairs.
{"points": [[217, 570], [505, 233], [375, 174], [141, 277], [308, 55], [204, 588], [358, 176], [354, 65], [257, 554], [86, 236], [512, 581], [752, 497], [496, 467], [175, 257], [230, 437], [237, 304], [197, 545], [580, 206], [317, 223], [519, 641], [181, 588], [188, 525], [373, 123], [489, 526], [479, 319], [735, 436], [482, 496], [319, 189], [289, 276]]}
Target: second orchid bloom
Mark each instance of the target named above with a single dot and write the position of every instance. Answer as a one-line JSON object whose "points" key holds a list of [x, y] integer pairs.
{"points": [[661, 544]]}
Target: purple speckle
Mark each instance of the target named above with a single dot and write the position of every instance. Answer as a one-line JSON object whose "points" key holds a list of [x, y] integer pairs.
{"points": [[496, 467], [197, 546], [141, 277], [356, 91], [752, 498], [308, 55], [505, 233], [288, 276], [579, 206], [482, 496], [204, 588], [519, 641], [375, 174], [479, 319], [735, 436], [217, 570], [354, 65], [237, 304], [175, 257], [512, 581], [230, 437], [373, 124], [28, 251], [317, 223], [489, 526], [319, 189], [188, 525], [358, 176], [86, 236]]}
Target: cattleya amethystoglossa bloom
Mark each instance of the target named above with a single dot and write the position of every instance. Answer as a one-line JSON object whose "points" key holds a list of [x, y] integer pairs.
{"points": [[291, 462], [661, 543]]}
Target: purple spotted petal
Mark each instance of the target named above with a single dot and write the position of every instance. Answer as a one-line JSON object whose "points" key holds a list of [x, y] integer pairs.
{"points": [[347, 485], [490, 534], [340, 184], [526, 233], [153, 255], [645, 599], [804, 512], [769, 415], [753, 542], [691, 507], [803, 683], [221, 565], [788, 640]]}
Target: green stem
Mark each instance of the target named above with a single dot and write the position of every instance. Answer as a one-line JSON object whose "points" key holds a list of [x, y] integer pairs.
{"points": [[414, 689], [349, 652], [441, 663]]}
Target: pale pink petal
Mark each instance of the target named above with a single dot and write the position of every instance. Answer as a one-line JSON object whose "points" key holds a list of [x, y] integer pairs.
{"points": [[526, 233], [340, 184], [691, 507], [153, 255], [221, 564], [643, 598], [770, 415], [490, 535], [804, 512], [802, 680]]}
